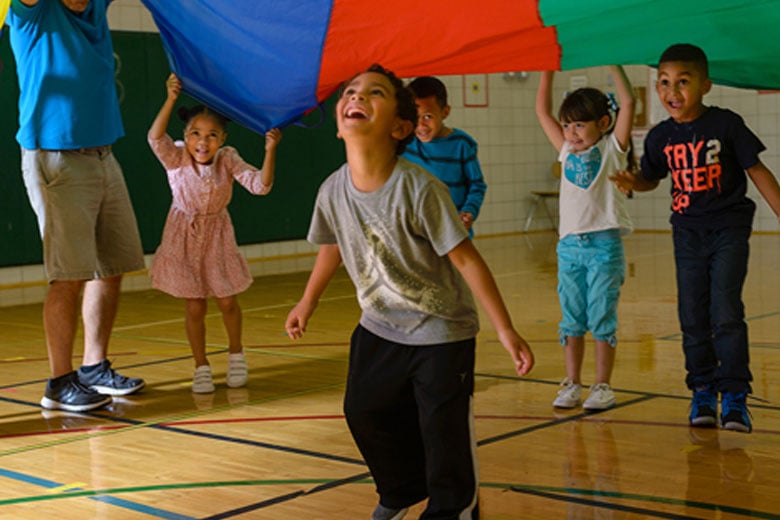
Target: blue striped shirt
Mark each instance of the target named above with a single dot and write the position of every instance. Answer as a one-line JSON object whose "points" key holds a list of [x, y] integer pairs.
{"points": [[453, 159]]}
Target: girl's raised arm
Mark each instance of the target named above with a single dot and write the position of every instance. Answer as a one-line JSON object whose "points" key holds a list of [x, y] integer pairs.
{"points": [[544, 111], [627, 102], [160, 124]]}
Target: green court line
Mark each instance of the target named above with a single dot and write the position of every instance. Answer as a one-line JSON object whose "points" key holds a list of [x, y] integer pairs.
{"points": [[561, 493]]}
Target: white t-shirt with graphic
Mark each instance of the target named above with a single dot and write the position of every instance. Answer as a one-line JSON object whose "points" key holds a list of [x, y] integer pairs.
{"points": [[589, 201]]}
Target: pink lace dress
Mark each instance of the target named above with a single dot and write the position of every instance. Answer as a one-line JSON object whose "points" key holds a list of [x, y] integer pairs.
{"points": [[198, 256]]}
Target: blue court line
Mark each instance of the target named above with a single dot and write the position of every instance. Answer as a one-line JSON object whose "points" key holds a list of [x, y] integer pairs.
{"points": [[119, 502], [28, 479]]}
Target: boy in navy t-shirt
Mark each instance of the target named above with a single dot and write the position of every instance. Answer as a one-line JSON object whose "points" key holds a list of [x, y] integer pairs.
{"points": [[707, 151]]}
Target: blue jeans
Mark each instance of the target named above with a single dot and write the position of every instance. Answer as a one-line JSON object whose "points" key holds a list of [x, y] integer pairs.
{"points": [[711, 270], [591, 269]]}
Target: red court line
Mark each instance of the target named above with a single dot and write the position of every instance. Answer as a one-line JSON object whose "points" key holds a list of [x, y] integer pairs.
{"points": [[341, 417]]}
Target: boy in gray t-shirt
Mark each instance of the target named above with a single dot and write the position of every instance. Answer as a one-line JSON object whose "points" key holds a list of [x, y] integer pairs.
{"points": [[411, 373]]}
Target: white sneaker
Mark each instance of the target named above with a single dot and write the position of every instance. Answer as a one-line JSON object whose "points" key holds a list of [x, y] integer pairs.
{"points": [[570, 396], [237, 372], [202, 383], [601, 397]]}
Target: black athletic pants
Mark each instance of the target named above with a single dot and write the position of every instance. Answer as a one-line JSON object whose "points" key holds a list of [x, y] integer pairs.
{"points": [[409, 411]]}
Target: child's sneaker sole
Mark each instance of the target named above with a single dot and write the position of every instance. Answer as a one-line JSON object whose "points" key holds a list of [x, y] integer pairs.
{"points": [[51, 404], [737, 426], [705, 421]]}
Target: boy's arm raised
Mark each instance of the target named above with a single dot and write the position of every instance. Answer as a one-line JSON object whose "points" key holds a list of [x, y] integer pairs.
{"points": [[475, 271]]}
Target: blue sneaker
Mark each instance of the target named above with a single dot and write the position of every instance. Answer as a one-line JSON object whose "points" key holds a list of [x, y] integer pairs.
{"points": [[735, 415], [704, 407]]}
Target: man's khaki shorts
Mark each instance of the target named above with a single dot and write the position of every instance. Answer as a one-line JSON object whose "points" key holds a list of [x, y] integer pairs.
{"points": [[84, 213]]}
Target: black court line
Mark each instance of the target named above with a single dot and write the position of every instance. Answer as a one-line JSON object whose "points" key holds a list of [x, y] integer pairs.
{"points": [[751, 398], [144, 364], [556, 422], [567, 497], [603, 505], [258, 444], [290, 496]]}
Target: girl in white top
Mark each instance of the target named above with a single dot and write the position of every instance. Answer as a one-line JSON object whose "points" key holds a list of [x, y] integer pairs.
{"points": [[593, 144]]}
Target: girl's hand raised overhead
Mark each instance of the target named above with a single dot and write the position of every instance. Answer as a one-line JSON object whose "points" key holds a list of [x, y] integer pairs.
{"points": [[272, 138], [173, 85]]}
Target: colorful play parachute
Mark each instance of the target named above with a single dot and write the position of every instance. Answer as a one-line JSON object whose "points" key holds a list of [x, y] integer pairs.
{"points": [[265, 62]]}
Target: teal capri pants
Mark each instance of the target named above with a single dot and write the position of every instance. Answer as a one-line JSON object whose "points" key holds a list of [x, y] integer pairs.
{"points": [[591, 269]]}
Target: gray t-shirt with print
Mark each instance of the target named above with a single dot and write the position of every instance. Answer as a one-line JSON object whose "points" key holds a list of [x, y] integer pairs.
{"points": [[394, 243]]}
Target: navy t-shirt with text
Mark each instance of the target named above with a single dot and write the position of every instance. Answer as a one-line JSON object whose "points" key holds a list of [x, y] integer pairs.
{"points": [[706, 160]]}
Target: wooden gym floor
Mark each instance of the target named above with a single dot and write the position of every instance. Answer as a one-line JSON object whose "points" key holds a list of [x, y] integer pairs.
{"points": [[280, 449]]}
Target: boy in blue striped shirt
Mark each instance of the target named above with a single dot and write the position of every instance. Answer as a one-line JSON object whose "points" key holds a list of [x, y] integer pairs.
{"points": [[448, 153]]}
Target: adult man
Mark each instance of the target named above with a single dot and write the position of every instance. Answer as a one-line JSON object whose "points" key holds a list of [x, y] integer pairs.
{"points": [[68, 119]]}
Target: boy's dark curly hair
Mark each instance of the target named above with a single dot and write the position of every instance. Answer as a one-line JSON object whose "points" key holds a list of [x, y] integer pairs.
{"points": [[429, 86], [407, 110]]}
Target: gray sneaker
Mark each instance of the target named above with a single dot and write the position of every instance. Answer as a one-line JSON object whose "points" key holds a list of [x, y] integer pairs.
{"points": [[105, 380], [67, 393], [385, 513]]}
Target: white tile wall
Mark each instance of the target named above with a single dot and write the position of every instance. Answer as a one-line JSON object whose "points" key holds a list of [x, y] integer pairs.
{"points": [[514, 153]]}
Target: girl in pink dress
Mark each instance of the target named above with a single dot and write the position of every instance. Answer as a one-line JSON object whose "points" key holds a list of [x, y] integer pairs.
{"points": [[198, 256]]}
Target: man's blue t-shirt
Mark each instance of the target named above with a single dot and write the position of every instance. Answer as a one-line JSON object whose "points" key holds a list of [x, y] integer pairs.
{"points": [[65, 65]]}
